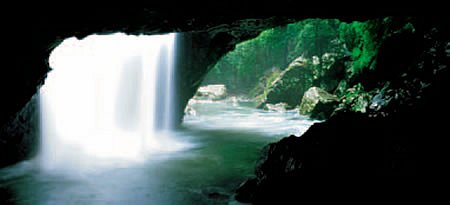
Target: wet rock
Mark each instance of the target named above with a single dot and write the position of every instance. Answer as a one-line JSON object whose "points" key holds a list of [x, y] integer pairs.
{"points": [[290, 85], [318, 103], [279, 107], [218, 196], [348, 145], [379, 104], [211, 92], [189, 110], [246, 190], [356, 99], [19, 138]]}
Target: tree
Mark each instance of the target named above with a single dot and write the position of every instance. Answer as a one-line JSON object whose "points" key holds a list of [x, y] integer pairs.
{"points": [[241, 69]]}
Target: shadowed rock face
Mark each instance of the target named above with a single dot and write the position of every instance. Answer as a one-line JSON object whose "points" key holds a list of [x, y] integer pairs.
{"points": [[19, 137], [399, 135]]}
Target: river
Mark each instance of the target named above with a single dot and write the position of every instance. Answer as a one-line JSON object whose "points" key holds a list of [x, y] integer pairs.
{"points": [[223, 141]]}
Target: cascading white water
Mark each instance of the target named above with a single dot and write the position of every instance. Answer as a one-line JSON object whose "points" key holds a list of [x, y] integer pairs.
{"points": [[107, 97]]}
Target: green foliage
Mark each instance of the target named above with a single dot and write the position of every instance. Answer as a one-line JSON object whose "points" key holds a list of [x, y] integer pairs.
{"points": [[356, 99], [244, 69], [317, 37], [290, 86], [260, 90], [362, 40], [248, 69]]}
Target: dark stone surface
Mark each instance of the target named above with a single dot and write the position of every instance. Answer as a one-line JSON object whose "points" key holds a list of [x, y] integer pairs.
{"points": [[323, 110], [19, 138], [377, 150], [348, 146], [245, 191]]}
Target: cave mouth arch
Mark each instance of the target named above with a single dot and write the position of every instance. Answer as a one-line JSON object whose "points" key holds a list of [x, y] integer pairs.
{"points": [[26, 85]]}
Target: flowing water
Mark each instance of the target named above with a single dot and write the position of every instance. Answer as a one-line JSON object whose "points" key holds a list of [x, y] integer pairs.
{"points": [[107, 136], [107, 98], [225, 141]]}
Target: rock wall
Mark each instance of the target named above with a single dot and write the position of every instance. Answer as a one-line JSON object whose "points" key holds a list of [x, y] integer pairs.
{"points": [[402, 136], [20, 137]]}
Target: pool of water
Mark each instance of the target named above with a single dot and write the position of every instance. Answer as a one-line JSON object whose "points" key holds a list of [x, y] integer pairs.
{"points": [[224, 137]]}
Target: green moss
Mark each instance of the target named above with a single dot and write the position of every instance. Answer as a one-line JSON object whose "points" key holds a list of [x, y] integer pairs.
{"points": [[356, 99], [259, 92]]}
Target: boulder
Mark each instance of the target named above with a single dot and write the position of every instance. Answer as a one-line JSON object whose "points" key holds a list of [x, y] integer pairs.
{"points": [[189, 110], [290, 84], [318, 103], [211, 92], [279, 107]]}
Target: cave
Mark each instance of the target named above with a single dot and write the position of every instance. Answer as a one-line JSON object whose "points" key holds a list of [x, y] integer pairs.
{"points": [[380, 146]]}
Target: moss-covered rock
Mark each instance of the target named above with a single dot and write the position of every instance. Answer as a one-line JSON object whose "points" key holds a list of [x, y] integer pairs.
{"points": [[356, 99], [318, 103], [331, 72], [264, 82], [291, 84], [341, 88]]}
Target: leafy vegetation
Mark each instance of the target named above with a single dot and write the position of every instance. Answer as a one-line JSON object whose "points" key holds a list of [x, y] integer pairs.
{"points": [[284, 62], [356, 99], [253, 61], [363, 41]]}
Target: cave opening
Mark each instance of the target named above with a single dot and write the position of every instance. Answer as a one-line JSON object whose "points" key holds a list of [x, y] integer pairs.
{"points": [[386, 78]]}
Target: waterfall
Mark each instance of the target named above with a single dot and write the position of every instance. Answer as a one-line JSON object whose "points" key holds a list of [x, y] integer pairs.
{"points": [[109, 98]]}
